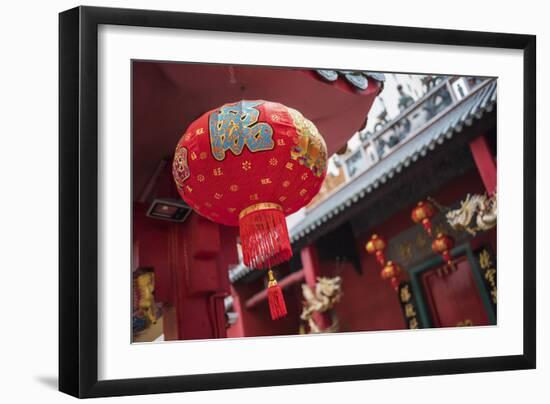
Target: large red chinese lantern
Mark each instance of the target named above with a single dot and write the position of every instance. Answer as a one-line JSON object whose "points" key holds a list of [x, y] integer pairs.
{"points": [[249, 164]]}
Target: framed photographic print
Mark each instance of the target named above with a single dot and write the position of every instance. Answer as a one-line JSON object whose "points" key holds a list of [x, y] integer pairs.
{"points": [[250, 201]]}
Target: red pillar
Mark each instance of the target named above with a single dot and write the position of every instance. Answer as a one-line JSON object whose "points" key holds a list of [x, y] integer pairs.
{"points": [[485, 162], [312, 270], [203, 250], [310, 263], [190, 261]]}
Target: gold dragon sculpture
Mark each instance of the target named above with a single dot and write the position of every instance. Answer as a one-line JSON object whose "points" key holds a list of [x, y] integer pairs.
{"points": [[326, 294], [476, 213]]}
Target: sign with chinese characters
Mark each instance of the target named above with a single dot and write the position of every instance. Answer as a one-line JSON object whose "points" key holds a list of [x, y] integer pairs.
{"points": [[488, 266], [413, 246], [408, 305]]}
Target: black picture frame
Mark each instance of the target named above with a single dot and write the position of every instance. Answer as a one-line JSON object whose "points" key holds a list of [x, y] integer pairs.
{"points": [[78, 196]]}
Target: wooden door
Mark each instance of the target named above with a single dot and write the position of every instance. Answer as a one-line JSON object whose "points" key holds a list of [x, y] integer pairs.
{"points": [[453, 297]]}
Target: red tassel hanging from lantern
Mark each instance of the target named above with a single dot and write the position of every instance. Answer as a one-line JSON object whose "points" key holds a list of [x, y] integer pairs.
{"points": [[423, 213], [264, 235], [250, 164], [443, 245], [275, 298], [376, 245]]}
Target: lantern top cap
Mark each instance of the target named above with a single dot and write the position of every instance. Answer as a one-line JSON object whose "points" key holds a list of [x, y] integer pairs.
{"points": [[260, 206]]}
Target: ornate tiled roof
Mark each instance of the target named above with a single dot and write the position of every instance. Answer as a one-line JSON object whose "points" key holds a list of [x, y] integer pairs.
{"points": [[357, 79], [442, 128], [239, 271]]}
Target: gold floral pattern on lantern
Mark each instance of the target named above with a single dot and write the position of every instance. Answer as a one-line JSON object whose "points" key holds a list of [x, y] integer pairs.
{"points": [[310, 149], [246, 165], [180, 168]]}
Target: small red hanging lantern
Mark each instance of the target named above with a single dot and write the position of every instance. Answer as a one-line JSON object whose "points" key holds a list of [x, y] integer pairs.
{"points": [[391, 271], [443, 245], [376, 245], [250, 164], [423, 213]]}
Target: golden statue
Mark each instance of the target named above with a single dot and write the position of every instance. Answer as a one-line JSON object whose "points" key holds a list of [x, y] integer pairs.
{"points": [[145, 283], [327, 293]]}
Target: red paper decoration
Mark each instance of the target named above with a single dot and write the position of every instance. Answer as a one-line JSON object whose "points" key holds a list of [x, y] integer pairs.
{"points": [[249, 164], [376, 245], [443, 244], [391, 271], [423, 213]]}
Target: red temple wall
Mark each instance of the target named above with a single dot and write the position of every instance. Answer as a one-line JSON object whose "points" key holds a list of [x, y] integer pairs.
{"points": [[190, 279], [368, 303]]}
